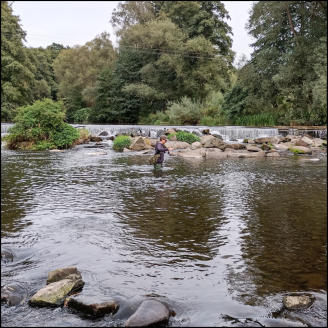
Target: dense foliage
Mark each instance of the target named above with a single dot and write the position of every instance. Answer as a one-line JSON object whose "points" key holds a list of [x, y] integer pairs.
{"points": [[286, 78], [41, 126], [173, 65]]}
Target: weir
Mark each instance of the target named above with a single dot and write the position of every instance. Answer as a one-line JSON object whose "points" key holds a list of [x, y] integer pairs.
{"points": [[228, 133]]}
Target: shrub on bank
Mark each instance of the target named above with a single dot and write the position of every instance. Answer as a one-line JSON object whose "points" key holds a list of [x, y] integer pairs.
{"points": [[184, 136], [41, 126], [121, 142]]}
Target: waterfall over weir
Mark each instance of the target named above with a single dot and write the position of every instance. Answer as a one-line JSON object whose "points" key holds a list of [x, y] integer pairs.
{"points": [[228, 133]]}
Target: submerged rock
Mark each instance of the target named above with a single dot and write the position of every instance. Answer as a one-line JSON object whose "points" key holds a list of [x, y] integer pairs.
{"points": [[292, 302], [63, 273], [12, 294], [300, 150], [150, 312], [89, 306], [6, 256]]}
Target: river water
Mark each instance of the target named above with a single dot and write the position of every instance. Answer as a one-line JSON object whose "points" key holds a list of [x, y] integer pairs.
{"points": [[221, 242]]}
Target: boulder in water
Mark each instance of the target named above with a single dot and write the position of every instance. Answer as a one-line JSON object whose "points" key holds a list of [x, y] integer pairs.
{"points": [[300, 150], [103, 133], [208, 141], [150, 312], [138, 143], [55, 293], [293, 302]]}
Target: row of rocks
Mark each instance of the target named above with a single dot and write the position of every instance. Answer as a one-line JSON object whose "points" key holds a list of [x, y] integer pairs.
{"points": [[63, 289], [212, 146]]}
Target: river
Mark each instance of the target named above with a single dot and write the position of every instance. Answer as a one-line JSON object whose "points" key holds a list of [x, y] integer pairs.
{"points": [[221, 242]]}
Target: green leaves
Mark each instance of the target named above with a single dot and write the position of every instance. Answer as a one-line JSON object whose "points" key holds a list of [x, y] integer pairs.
{"points": [[41, 126]]}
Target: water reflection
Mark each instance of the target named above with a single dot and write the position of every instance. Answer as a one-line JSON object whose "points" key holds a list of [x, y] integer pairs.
{"points": [[209, 236]]}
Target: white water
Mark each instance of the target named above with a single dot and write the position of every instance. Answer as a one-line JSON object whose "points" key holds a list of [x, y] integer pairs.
{"points": [[228, 133]]}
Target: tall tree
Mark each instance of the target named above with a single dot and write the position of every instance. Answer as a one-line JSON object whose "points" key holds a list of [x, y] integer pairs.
{"points": [[76, 70], [194, 18], [17, 71], [290, 36]]}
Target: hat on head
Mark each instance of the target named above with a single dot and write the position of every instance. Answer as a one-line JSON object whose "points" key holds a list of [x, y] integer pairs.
{"points": [[163, 137]]}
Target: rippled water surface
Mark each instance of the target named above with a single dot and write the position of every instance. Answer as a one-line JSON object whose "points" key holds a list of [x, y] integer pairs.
{"points": [[220, 242]]}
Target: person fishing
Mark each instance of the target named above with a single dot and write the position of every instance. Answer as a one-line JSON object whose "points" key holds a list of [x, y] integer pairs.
{"points": [[160, 150]]}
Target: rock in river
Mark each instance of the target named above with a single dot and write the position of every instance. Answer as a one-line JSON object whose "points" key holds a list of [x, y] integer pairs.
{"points": [[90, 306], [63, 273], [150, 312], [292, 302], [61, 283]]}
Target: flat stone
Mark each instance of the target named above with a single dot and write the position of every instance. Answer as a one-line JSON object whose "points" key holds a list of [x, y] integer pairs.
{"points": [[245, 154], [273, 154], [196, 145], [195, 153], [55, 293], [216, 153], [235, 146], [150, 312], [292, 302], [90, 307], [300, 149], [62, 273], [253, 148]]}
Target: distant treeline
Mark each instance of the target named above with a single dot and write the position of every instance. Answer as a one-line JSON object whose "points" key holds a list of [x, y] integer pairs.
{"points": [[173, 65]]}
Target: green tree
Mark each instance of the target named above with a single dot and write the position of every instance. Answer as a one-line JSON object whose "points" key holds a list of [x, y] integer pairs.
{"points": [[288, 67], [76, 71], [17, 71]]}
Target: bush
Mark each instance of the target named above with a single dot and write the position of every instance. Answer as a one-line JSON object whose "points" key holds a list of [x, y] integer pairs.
{"points": [[185, 111], [187, 137], [82, 115], [66, 136], [41, 126], [121, 142]]}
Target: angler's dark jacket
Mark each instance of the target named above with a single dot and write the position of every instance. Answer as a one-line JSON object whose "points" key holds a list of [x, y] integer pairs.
{"points": [[160, 149]]}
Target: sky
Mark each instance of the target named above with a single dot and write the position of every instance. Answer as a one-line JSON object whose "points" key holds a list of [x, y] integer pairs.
{"points": [[77, 22]]}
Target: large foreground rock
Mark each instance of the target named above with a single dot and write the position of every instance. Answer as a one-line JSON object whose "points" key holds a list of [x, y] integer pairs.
{"points": [[55, 293], [150, 312], [91, 307]]}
